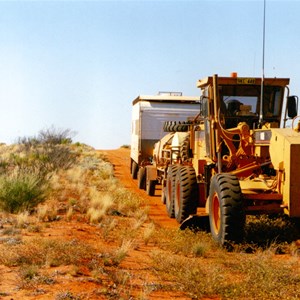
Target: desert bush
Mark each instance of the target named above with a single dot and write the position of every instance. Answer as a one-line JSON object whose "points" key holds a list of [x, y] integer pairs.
{"points": [[149, 232], [127, 202], [25, 168], [185, 242], [140, 217], [100, 203], [49, 135], [54, 135], [105, 170], [95, 215], [189, 274], [29, 272], [34, 228], [266, 278], [67, 252], [40, 156], [21, 192], [45, 159], [236, 277], [69, 214], [121, 252], [100, 200], [22, 219], [30, 276], [47, 152], [264, 230], [108, 225], [11, 231], [89, 161], [67, 295], [42, 212], [47, 252], [46, 212]]}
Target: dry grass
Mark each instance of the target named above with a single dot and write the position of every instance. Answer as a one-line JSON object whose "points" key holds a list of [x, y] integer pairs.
{"points": [[47, 212], [149, 233], [46, 252], [67, 295], [100, 203], [69, 213], [121, 252], [192, 262], [186, 243], [127, 202], [22, 219], [184, 261], [230, 276]]}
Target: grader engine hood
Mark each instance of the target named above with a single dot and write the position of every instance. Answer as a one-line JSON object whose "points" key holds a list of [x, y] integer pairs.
{"points": [[285, 157]]}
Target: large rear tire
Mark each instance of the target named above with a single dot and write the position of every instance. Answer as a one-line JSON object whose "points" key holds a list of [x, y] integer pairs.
{"points": [[170, 189], [226, 213], [186, 192]]}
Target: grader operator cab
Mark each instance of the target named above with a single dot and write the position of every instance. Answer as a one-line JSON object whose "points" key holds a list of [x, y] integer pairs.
{"points": [[240, 157]]}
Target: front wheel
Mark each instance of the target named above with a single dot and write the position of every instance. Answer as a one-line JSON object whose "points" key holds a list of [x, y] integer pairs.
{"points": [[226, 213], [186, 193]]}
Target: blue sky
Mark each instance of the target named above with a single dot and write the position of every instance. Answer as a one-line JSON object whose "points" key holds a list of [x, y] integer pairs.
{"points": [[79, 64]]}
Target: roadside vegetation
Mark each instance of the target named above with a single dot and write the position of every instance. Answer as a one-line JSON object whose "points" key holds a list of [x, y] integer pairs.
{"points": [[49, 180]]}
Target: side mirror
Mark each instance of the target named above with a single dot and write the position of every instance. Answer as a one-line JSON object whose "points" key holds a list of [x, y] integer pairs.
{"points": [[292, 106]]}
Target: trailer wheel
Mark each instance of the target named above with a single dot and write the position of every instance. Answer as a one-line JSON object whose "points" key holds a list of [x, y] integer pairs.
{"points": [[141, 177], [134, 169], [170, 189], [150, 187], [186, 192], [226, 213]]}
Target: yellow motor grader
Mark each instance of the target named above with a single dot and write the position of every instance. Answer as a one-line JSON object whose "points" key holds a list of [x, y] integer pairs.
{"points": [[242, 155]]}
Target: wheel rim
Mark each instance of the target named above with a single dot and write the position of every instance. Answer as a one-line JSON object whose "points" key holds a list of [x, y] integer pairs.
{"points": [[216, 213]]}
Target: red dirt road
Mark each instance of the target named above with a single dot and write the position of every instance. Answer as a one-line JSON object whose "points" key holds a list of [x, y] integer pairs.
{"points": [[120, 159]]}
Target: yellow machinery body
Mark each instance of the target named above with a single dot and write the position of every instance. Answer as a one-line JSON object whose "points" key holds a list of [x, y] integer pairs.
{"points": [[285, 157], [239, 155]]}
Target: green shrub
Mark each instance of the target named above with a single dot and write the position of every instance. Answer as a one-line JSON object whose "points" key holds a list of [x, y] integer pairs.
{"points": [[21, 192]]}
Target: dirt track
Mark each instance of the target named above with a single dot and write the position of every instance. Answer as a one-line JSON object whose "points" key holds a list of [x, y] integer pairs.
{"points": [[120, 159]]}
